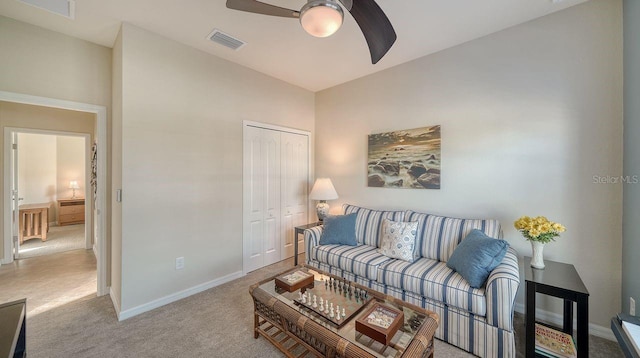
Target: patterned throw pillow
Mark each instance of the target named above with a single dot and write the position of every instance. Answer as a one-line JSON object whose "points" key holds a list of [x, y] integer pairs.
{"points": [[399, 240]]}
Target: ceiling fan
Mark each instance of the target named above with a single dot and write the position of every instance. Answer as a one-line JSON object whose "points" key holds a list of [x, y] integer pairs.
{"points": [[322, 18]]}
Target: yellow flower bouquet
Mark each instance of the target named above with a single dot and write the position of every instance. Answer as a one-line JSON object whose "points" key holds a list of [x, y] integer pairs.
{"points": [[538, 229]]}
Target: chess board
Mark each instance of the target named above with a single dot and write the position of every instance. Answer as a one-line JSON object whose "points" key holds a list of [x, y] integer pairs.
{"points": [[338, 293]]}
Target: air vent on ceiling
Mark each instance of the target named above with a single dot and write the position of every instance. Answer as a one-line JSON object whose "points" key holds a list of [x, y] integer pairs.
{"points": [[227, 40], [65, 8]]}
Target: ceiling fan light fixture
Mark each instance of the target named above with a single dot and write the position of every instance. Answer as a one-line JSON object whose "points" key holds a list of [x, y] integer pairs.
{"points": [[321, 18]]}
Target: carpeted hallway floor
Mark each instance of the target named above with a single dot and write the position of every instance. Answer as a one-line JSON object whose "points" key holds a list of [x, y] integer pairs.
{"points": [[214, 323]]}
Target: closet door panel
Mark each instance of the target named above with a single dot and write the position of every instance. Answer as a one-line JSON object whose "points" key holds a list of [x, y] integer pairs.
{"points": [[295, 169], [272, 179], [254, 198]]}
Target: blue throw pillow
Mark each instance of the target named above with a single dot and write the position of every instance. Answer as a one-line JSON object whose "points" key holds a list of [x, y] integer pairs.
{"points": [[339, 230], [476, 256]]}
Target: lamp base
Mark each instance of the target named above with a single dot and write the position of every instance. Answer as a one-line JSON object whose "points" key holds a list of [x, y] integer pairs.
{"points": [[322, 209]]}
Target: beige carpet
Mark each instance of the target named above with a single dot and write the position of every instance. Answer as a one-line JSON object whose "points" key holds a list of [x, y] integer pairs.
{"points": [[59, 239], [214, 323]]}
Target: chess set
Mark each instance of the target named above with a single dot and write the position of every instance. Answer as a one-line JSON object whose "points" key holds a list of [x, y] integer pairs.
{"points": [[335, 300]]}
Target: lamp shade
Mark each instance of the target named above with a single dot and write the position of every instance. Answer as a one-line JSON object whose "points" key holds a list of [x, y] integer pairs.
{"points": [[323, 190], [73, 184], [321, 18]]}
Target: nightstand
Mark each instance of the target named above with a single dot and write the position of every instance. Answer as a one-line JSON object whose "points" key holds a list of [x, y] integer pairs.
{"points": [[70, 211]]}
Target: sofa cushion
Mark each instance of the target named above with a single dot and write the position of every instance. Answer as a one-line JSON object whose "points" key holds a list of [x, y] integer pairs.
{"points": [[362, 260], [399, 240], [434, 280], [369, 223], [438, 236], [339, 230], [476, 256]]}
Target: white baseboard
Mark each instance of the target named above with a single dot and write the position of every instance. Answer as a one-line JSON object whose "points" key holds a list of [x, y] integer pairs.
{"points": [[556, 320], [116, 303], [122, 315]]}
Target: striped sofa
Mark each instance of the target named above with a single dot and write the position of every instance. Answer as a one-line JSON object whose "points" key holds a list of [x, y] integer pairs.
{"points": [[479, 321]]}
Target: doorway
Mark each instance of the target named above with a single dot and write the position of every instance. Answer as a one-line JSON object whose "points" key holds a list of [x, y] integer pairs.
{"points": [[49, 178], [100, 113]]}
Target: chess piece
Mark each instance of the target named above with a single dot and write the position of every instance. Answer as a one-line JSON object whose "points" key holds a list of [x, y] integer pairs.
{"points": [[338, 316], [344, 313], [315, 302], [304, 298], [300, 296], [332, 314], [337, 310], [321, 309], [326, 306]]}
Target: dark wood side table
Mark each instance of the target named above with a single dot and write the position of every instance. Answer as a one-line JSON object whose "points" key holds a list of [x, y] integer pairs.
{"points": [[13, 338], [559, 280], [300, 230]]}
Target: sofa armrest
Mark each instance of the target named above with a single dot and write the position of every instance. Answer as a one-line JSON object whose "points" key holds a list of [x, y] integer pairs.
{"points": [[502, 286], [312, 239]]}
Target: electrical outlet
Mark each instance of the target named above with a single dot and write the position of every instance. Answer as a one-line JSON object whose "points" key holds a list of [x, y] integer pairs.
{"points": [[632, 306], [179, 263]]}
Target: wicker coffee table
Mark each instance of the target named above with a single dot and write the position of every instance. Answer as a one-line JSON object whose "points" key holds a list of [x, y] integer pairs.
{"points": [[300, 331]]}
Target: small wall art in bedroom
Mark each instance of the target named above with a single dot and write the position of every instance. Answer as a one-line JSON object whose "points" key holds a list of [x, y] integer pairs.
{"points": [[405, 159]]}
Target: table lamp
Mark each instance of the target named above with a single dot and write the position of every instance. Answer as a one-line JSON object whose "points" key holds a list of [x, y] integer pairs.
{"points": [[322, 191], [74, 185]]}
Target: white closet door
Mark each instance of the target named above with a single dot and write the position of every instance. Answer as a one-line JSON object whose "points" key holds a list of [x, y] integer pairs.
{"points": [[262, 198], [271, 152], [294, 181]]}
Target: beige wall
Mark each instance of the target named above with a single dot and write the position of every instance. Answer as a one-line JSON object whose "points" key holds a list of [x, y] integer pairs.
{"points": [[44, 63], [529, 115], [37, 170], [70, 152], [46, 164], [182, 113], [116, 176]]}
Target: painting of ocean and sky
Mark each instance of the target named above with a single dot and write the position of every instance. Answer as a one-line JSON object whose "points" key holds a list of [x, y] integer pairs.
{"points": [[405, 159]]}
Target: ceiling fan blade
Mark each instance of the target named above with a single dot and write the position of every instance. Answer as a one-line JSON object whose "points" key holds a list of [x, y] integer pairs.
{"points": [[375, 26], [261, 8], [348, 4]]}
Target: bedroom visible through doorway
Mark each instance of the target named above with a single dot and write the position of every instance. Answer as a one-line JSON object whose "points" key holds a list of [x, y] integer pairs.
{"points": [[51, 174]]}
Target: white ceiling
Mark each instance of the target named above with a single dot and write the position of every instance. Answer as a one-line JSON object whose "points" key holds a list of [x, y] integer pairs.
{"points": [[279, 47]]}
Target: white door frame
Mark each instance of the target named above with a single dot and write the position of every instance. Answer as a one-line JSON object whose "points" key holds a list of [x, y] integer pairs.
{"points": [[101, 203], [88, 232], [246, 124]]}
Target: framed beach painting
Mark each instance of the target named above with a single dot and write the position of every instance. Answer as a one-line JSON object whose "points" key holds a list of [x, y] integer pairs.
{"points": [[405, 159]]}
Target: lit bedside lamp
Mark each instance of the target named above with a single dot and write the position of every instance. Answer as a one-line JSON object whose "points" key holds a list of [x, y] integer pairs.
{"points": [[74, 185], [322, 191]]}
